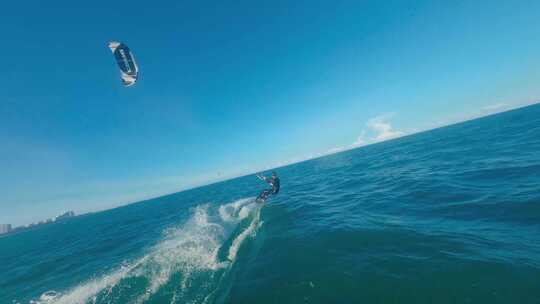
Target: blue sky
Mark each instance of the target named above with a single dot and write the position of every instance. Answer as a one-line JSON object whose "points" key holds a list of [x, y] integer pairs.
{"points": [[231, 88]]}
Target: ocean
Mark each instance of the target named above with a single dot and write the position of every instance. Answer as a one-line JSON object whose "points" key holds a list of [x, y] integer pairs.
{"points": [[451, 215]]}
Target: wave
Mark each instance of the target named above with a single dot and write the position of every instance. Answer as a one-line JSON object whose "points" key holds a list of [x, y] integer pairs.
{"points": [[184, 267]]}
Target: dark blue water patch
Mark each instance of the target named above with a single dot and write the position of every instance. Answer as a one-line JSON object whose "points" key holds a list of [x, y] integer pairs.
{"points": [[377, 269]]}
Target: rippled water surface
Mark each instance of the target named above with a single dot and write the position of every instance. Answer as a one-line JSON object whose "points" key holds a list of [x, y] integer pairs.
{"points": [[446, 216]]}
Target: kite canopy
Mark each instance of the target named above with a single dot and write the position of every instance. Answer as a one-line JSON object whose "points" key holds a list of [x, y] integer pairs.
{"points": [[126, 62]]}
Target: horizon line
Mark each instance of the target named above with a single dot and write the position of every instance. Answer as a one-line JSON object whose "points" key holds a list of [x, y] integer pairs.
{"points": [[318, 155], [295, 161]]}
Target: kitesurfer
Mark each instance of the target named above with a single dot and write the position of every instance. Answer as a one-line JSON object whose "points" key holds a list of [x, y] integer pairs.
{"points": [[273, 181]]}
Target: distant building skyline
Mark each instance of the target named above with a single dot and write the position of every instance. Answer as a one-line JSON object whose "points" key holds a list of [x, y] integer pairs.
{"points": [[5, 228]]}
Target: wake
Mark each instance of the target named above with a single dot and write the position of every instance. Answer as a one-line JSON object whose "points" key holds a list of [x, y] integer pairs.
{"points": [[186, 266]]}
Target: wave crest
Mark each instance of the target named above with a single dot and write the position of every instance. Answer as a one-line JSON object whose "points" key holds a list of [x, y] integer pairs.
{"points": [[185, 264]]}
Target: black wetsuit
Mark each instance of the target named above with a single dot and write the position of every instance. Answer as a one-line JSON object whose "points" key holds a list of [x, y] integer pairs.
{"points": [[274, 182]]}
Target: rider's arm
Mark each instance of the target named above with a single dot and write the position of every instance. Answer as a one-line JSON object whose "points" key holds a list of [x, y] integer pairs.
{"points": [[269, 180]]}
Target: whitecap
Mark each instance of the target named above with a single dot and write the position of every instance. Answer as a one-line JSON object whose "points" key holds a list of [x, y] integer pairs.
{"points": [[189, 249]]}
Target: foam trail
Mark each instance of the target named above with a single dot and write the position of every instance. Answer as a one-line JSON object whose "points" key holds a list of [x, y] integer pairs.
{"points": [[230, 212], [82, 294], [250, 231], [190, 251]]}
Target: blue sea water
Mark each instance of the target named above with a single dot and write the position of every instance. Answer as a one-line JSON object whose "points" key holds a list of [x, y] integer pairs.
{"points": [[446, 216]]}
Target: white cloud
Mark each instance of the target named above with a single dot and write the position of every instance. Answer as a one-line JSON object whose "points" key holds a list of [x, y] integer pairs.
{"points": [[379, 126], [360, 141], [382, 128], [335, 150], [494, 107]]}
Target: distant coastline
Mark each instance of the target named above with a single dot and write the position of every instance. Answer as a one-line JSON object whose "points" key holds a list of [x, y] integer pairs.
{"points": [[6, 229]]}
